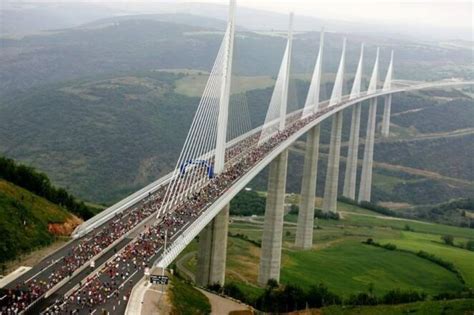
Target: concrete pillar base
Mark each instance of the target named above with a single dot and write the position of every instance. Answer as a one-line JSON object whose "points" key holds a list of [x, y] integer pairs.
{"points": [[213, 250], [365, 189], [270, 258], [304, 229], [350, 176], [386, 116], [332, 174]]}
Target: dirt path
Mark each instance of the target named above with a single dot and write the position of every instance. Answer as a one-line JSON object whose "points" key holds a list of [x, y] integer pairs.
{"points": [[404, 169], [181, 268], [420, 137], [383, 217], [222, 306]]}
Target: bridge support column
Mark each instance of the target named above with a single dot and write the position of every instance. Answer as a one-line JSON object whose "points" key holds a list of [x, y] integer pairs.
{"points": [[350, 176], [365, 188], [304, 229], [386, 116], [213, 250], [270, 259], [332, 174]]}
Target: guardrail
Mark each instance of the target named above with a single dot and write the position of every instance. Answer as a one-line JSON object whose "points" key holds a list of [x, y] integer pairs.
{"points": [[195, 228]]}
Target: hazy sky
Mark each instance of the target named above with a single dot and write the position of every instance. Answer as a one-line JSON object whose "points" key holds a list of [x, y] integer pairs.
{"points": [[439, 13], [453, 13]]}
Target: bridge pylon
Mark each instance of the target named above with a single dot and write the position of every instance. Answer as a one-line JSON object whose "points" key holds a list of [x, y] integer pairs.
{"points": [[305, 227], [350, 176], [365, 188], [272, 237], [213, 239], [332, 173], [388, 100]]}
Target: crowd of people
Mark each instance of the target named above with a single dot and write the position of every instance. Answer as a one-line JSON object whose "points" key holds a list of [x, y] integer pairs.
{"points": [[140, 253]]}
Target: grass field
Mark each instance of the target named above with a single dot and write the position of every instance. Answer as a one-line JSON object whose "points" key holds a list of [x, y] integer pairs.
{"points": [[463, 259], [341, 261], [347, 266], [193, 84], [186, 299]]}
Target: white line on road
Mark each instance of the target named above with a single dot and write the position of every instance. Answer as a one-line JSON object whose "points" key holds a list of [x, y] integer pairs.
{"points": [[47, 267], [126, 280]]}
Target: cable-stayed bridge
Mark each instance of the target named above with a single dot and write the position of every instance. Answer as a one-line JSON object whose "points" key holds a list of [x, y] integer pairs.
{"points": [[222, 153]]}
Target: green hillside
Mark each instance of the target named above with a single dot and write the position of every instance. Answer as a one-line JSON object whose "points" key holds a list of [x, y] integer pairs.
{"points": [[128, 135], [28, 222], [342, 260]]}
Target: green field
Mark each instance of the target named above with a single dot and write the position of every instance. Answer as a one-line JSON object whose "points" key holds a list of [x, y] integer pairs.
{"points": [[341, 261], [350, 267], [194, 83], [346, 266], [186, 299], [463, 259]]}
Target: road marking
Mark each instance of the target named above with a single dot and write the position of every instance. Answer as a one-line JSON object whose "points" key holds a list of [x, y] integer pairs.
{"points": [[47, 267], [93, 311], [126, 280], [3, 297]]}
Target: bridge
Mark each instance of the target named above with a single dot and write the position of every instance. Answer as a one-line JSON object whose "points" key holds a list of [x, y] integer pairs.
{"points": [[112, 252]]}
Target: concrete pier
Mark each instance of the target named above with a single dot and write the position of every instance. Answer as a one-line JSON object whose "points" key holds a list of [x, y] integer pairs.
{"points": [[350, 176], [365, 189], [304, 229], [213, 250], [386, 116], [332, 174], [270, 259]]}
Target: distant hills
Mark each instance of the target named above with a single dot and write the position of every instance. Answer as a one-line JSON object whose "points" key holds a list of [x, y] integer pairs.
{"points": [[139, 43], [20, 18], [90, 106]]}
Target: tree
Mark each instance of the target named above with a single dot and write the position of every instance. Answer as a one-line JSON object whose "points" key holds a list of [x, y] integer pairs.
{"points": [[448, 239], [470, 245]]}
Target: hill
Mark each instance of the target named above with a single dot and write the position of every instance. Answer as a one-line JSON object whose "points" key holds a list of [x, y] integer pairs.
{"points": [[141, 42], [129, 135], [28, 221], [348, 265]]}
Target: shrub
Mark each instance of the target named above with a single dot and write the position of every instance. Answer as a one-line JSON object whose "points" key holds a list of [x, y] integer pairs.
{"points": [[397, 297], [448, 239], [362, 299], [469, 245]]}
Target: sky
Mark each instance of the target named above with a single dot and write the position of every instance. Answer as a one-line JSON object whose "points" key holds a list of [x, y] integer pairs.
{"points": [[452, 14], [449, 13]]}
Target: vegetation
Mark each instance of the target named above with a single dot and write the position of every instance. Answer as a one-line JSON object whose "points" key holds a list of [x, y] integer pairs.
{"points": [[455, 212], [39, 184], [25, 221], [247, 203], [186, 299], [454, 307]]}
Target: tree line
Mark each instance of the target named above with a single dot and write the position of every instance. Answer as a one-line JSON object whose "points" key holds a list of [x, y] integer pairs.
{"points": [[284, 298], [38, 183]]}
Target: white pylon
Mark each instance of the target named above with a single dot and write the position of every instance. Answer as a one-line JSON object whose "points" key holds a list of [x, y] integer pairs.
{"points": [[373, 79], [388, 79], [284, 93], [312, 101], [336, 95], [225, 93], [355, 92], [275, 118]]}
